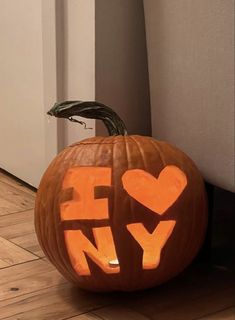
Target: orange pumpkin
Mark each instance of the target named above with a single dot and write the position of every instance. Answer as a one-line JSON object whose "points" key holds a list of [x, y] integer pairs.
{"points": [[119, 212]]}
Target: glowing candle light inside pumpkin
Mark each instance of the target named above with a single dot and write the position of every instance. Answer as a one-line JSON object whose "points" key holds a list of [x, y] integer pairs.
{"points": [[114, 263], [84, 206]]}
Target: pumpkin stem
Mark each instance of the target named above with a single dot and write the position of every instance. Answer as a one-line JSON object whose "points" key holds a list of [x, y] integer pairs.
{"points": [[92, 110]]}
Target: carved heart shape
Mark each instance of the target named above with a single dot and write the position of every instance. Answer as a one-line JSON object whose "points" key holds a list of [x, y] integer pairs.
{"points": [[156, 194]]}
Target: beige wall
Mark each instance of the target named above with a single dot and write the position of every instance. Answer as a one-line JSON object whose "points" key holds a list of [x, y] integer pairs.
{"points": [[121, 62], [191, 69]]}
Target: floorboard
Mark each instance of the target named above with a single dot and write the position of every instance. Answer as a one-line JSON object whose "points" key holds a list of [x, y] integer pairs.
{"points": [[227, 314], [11, 254], [14, 199], [16, 183]]}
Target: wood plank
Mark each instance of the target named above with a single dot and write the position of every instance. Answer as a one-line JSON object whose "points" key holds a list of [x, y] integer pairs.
{"points": [[35, 290], [13, 200], [30, 243], [3, 264], [16, 218], [16, 230], [227, 314], [28, 277], [17, 224], [57, 302], [19, 229], [118, 312], [86, 316], [199, 291], [11, 254], [114, 312], [15, 183]]}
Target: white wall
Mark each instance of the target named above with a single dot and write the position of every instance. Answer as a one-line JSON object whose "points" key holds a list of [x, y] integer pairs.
{"points": [[25, 89]]}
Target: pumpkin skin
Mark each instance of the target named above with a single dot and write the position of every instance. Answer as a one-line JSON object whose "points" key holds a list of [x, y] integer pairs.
{"points": [[122, 153]]}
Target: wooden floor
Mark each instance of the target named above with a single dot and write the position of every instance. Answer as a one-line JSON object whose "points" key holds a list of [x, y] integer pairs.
{"points": [[31, 288]]}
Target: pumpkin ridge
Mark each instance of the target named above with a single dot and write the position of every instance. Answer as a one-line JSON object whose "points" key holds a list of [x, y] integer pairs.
{"points": [[132, 275], [60, 248], [76, 155], [96, 156], [139, 274], [140, 151], [115, 195], [44, 218]]}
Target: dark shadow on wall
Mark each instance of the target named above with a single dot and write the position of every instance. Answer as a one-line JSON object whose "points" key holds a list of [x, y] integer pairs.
{"points": [[121, 63]]}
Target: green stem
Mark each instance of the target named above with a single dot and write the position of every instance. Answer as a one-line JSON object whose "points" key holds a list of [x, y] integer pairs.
{"points": [[91, 110]]}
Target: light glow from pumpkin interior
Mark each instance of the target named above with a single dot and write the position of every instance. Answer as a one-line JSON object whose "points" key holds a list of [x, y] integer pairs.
{"points": [[157, 194], [151, 243], [78, 244], [84, 206]]}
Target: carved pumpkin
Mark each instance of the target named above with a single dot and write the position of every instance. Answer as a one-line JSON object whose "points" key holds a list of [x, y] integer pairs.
{"points": [[119, 212]]}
